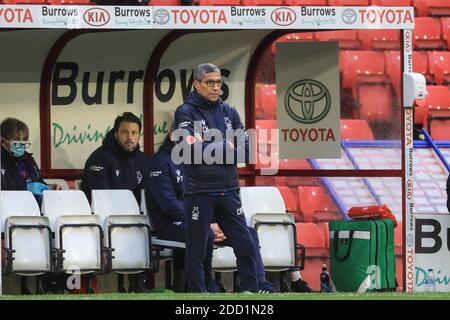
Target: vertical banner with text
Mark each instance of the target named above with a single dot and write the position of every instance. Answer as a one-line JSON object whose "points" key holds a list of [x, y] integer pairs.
{"points": [[308, 102]]}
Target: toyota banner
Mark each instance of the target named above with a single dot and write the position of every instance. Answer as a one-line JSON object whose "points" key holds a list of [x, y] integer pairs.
{"points": [[308, 102]]}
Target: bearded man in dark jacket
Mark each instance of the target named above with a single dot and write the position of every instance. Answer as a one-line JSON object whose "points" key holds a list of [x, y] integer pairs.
{"points": [[117, 163]]}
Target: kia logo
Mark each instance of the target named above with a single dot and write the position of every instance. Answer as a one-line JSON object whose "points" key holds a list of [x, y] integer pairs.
{"points": [[283, 16], [307, 101], [96, 17]]}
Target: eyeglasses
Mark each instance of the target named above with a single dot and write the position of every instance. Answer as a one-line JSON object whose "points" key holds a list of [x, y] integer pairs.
{"points": [[211, 83], [20, 144]]}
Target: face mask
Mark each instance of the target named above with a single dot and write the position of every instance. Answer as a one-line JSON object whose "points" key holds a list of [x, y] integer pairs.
{"points": [[17, 150]]}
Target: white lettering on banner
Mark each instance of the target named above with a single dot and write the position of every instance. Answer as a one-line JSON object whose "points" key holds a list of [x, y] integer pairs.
{"points": [[96, 17], [15, 15], [204, 16], [391, 16]]}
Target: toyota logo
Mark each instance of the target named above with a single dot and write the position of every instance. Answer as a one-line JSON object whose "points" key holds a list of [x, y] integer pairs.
{"points": [[307, 101], [349, 16], [161, 16]]}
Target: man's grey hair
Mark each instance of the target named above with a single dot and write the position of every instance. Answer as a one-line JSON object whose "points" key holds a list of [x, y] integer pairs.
{"points": [[202, 69]]}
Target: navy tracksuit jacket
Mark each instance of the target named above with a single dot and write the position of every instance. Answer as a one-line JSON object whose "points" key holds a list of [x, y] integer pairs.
{"points": [[213, 190], [164, 185], [10, 178], [109, 167]]}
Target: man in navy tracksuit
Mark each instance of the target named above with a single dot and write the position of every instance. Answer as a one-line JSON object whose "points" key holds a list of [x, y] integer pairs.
{"points": [[165, 200], [212, 188], [164, 185], [117, 163]]}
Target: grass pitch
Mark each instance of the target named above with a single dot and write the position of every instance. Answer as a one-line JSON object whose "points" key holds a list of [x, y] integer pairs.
{"points": [[237, 296]]}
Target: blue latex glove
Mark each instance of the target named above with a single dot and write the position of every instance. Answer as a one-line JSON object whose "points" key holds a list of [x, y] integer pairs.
{"points": [[36, 188]]}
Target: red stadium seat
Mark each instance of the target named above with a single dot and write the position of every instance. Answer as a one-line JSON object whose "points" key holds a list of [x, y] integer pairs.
{"points": [[432, 7], [438, 98], [317, 252], [294, 164], [439, 129], [315, 204], [164, 3], [361, 67], [309, 235], [420, 114], [375, 102], [439, 65], [220, 2], [355, 129], [63, 2], [293, 37], [325, 232], [420, 65], [305, 2], [438, 113], [289, 199], [347, 38], [394, 3], [263, 2], [380, 39], [266, 143], [25, 1], [348, 2], [427, 34], [446, 31], [268, 100], [393, 70]]}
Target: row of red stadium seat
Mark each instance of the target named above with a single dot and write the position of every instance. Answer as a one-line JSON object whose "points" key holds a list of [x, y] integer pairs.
{"points": [[428, 34], [54, 2], [309, 203]]}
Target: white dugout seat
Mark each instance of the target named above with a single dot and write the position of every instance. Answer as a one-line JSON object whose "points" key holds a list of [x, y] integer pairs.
{"points": [[265, 210], [127, 231], [27, 234], [60, 182], [77, 231], [165, 245], [254, 200]]}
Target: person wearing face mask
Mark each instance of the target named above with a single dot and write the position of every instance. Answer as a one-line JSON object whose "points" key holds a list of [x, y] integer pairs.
{"points": [[18, 168]]}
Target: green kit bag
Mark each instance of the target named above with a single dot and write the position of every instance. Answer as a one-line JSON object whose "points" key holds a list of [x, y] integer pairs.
{"points": [[362, 255]]}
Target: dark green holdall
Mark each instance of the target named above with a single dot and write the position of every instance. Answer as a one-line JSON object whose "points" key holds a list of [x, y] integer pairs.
{"points": [[362, 255]]}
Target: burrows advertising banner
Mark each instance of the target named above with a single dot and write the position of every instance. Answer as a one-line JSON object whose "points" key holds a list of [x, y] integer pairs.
{"points": [[308, 102], [217, 17], [432, 253], [96, 77]]}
